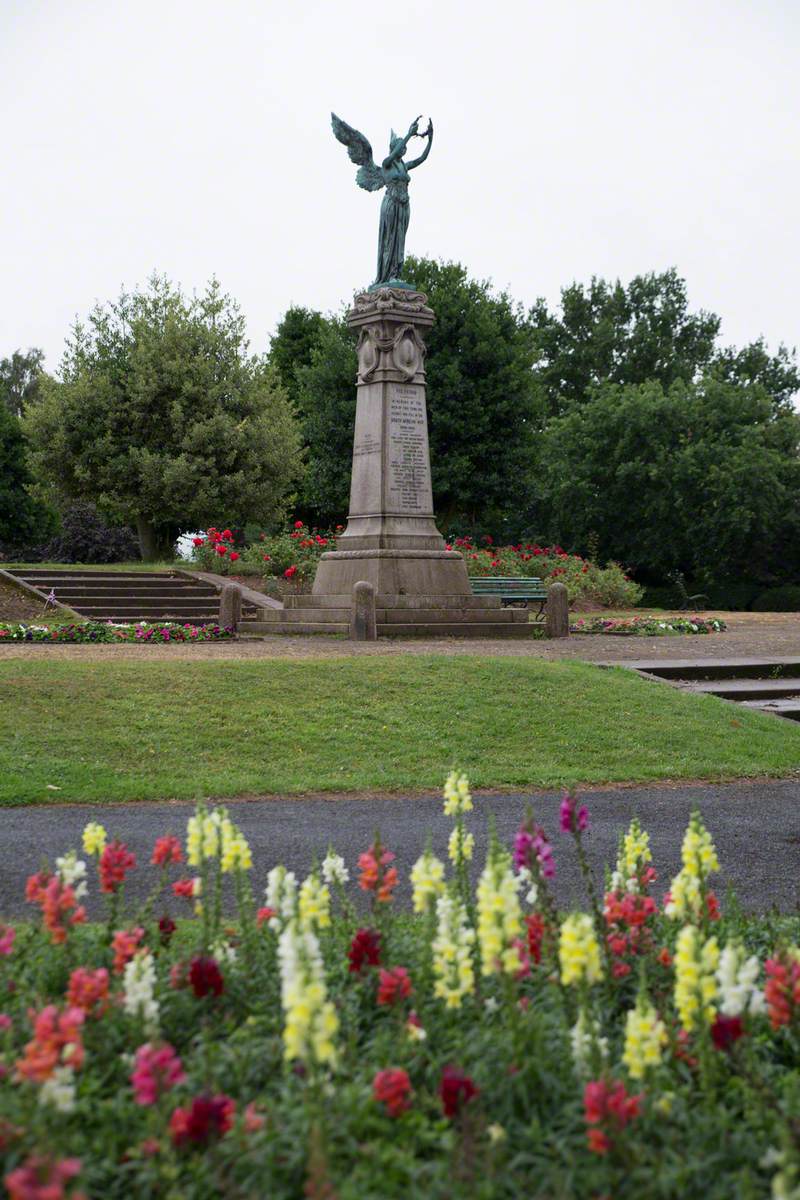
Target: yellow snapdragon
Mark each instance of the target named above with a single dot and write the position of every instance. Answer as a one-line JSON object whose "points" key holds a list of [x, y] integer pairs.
{"points": [[457, 798], [696, 963], [645, 1039], [499, 916], [236, 853], [460, 845], [699, 858], [314, 904], [427, 881], [310, 1020], [94, 838], [454, 976], [578, 951]]}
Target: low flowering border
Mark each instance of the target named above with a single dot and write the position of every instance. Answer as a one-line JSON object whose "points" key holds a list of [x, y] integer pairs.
{"points": [[142, 633], [648, 626], [303, 1048]]}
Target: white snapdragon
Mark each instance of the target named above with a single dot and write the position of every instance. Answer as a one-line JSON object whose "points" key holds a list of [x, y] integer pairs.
{"points": [[281, 896], [71, 871], [139, 984], [737, 977], [334, 870], [585, 1040], [59, 1090]]}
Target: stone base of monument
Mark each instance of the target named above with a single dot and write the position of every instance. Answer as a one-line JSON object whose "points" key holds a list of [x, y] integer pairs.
{"points": [[395, 616]]}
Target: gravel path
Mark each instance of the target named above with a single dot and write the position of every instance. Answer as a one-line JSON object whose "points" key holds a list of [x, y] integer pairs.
{"points": [[756, 827], [766, 635]]}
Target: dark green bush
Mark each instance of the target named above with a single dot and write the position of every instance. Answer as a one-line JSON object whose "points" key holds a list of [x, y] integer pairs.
{"points": [[779, 599]]}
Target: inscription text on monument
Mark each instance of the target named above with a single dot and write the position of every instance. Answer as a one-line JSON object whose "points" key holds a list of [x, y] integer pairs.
{"points": [[408, 483]]}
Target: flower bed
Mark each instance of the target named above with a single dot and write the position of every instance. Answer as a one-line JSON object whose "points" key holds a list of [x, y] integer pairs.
{"points": [[483, 1046], [648, 626], [108, 631]]}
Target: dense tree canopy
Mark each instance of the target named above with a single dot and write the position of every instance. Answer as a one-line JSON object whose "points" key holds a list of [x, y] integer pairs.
{"points": [[700, 477], [162, 419], [23, 519], [609, 333]]}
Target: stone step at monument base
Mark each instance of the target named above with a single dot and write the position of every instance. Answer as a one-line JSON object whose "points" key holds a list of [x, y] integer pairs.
{"points": [[465, 616]]}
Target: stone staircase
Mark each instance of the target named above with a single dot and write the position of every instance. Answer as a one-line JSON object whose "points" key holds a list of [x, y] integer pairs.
{"points": [[768, 685], [129, 596], [396, 616]]}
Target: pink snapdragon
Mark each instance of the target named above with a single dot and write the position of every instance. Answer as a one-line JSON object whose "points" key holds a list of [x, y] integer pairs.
{"points": [[156, 1070], [574, 818]]}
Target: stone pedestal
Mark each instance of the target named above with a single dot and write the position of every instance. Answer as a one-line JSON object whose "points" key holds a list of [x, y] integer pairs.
{"points": [[391, 539]]}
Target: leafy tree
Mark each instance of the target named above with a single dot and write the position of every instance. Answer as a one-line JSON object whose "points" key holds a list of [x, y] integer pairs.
{"points": [[483, 404], [629, 335], [19, 379], [23, 519], [292, 345], [699, 477], [163, 420]]}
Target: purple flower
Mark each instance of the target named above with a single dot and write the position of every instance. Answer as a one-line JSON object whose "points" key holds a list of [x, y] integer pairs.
{"points": [[523, 844], [544, 853], [573, 819]]}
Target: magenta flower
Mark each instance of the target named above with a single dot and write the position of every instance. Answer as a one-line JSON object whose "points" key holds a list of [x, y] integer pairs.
{"points": [[155, 1071], [523, 845], [544, 853], [574, 819]]}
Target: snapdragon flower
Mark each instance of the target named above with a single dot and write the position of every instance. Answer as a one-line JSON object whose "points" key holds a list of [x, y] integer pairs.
{"points": [[334, 870], [71, 870], [310, 1020], [139, 983], [687, 894], [586, 1042], [94, 838], [499, 915], [427, 881], [696, 962], [235, 854], [457, 797], [737, 979], [314, 904], [578, 951], [645, 1039], [454, 976], [281, 896], [460, 845], [59, 1090]]}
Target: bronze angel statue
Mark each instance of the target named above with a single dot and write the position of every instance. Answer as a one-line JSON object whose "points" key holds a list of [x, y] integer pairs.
{"points": [[393, 175]]}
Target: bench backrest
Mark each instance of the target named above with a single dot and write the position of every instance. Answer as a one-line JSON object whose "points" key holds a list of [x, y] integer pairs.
{"points": [[496, 585]]}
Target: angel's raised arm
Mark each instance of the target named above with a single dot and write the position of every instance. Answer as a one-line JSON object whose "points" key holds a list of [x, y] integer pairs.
{"points": [[416, 161], [369, 175]]}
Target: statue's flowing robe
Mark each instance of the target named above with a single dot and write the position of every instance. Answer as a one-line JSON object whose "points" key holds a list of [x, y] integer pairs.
{"points": [[395, 212]]}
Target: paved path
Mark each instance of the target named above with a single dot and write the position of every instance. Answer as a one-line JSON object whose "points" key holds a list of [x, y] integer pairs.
{"points": [[767, 635], [756, 827]]}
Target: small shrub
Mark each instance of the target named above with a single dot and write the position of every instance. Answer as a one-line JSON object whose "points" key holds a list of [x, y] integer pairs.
{"points": [[84, 537], [292, 555], [585, 581]]}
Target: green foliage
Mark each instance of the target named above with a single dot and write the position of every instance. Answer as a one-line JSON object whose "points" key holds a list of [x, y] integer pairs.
{"points": [[326, 395], [162, 418], [19, 379], [23, 519], [702, 477], [292, 346], [779, 599]]}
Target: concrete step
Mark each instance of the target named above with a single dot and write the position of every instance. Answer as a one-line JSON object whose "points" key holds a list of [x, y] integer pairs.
{"points": [[468, 629], [748, 689], [306, 600], [788, 707], [35, 574], [247, 629], [711, 668]]}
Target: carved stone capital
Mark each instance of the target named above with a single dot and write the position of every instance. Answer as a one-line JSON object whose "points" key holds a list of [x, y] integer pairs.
{"points": [[393, 303]]}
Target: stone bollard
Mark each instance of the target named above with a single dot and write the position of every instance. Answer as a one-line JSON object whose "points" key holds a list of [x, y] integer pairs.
{"points": [[557, 612], [230, 606], [363, 627]]}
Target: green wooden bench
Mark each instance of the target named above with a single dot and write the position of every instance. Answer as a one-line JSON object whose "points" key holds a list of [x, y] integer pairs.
{"points": [[512, 590]]}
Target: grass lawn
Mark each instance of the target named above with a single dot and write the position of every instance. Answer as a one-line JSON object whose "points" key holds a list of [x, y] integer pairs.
{"points": [[102, 731]]}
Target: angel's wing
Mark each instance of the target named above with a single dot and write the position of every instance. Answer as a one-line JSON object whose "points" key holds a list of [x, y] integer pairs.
{"points": [[369, 176]]}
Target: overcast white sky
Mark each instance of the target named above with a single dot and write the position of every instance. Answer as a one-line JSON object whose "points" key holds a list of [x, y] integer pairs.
{"points": [[572, 138]]}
